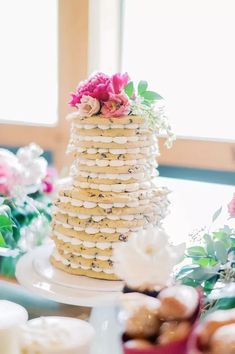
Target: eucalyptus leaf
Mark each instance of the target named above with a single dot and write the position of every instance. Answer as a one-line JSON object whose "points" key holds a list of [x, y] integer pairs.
{"points": [[129, 89], [196, 251], [204, 273], [223, 237], [221, 252], [225, 303], [205, 262], [217, 214], [142, 87], [190, 282], [210, 283], [2, 241], [151, 96], [209, 245]]}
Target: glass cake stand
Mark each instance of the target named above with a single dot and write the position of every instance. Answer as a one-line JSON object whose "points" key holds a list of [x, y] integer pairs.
{"points": [[35, 272]]}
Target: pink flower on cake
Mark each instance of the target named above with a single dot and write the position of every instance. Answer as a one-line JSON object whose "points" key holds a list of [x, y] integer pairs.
{"points": [[231, 207], [97, 86], [119, 81], [117, 105], [88, 107]]}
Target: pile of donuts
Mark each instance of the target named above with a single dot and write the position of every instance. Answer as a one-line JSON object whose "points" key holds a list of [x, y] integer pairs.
{"points": [[216, 335], [154, 322]]}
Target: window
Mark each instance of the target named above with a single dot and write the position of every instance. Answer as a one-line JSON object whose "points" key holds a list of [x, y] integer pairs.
{"points": [[28, 61], [185, 50], [72, 33]]}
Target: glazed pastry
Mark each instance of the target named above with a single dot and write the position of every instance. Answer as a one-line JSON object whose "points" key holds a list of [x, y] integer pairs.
{"points": [[213, 322], [223, 340], [173, 331], [140, 315], [138, 344], [178, 302]]}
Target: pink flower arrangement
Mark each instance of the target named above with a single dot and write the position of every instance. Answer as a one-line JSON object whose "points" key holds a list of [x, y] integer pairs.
{"points": [[102, 94], [25, 171], [231, 207]]}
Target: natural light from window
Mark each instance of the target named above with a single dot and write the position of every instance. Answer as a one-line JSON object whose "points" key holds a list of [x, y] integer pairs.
{"points": [[185, 50], [28, 61]]}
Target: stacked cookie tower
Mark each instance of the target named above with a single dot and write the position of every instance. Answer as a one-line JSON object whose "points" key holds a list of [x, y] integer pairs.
{"points": [[113, 193]]}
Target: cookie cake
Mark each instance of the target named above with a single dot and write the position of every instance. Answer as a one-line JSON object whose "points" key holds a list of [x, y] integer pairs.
{"points": [[114, 190]]}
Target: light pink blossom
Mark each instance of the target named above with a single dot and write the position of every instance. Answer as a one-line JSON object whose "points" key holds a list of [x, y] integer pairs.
{"points": [[231, 207], [88, 107], [117, 105]]}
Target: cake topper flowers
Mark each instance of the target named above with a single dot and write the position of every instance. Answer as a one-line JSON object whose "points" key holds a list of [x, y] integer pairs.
{"points": [[116, 96], [147, 259]]}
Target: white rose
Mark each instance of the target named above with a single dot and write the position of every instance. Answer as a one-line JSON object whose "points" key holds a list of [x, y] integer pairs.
{"points": [[88, 106], [147, 259]]}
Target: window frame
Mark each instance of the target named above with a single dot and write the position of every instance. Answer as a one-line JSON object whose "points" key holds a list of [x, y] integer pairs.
{"points": [[72, 68]]}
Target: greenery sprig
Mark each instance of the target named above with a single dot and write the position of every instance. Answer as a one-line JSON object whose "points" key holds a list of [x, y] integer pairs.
{"points": [[210, 263], [144, 103]]}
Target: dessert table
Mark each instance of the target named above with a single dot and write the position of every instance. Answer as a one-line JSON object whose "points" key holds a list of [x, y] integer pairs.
{"points": [[192, 206]]}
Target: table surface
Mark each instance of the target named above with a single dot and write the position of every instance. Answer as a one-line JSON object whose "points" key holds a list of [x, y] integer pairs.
{"points": [[192, 206]]}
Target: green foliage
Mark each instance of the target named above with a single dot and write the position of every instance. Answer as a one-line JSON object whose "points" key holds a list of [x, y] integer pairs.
{"points": [[211, 263]]}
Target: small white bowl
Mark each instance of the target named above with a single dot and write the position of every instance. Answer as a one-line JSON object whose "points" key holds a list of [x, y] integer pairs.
{"points": [[56, 335]]}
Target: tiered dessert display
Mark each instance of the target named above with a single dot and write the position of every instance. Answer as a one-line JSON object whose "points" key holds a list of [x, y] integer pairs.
{"points": [[114, 190]]}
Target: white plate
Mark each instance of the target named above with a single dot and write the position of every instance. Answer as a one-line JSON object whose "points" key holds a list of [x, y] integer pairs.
{"points": [[35, 272]]}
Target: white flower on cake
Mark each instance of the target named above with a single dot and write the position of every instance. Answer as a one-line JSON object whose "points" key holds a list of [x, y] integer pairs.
{"points": [[147, 259], [88, 106]]}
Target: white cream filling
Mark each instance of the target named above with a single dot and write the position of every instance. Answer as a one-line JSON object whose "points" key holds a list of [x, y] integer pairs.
{"points": [[89, 256], [94, 230], [131, 187], [90, 205], [77, 242], [114, 163], [63, 260], [108, 126], [121, 176], [112, 139], [143, 150], [98, 218]]}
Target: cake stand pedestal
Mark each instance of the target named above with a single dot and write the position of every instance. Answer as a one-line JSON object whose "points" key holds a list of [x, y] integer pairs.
{"points": [[35, 272]]}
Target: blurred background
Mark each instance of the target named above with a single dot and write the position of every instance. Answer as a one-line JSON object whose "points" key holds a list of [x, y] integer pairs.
{"points": [[183, 48]]}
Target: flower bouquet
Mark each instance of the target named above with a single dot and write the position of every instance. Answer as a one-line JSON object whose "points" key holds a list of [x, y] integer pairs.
{"points": [[26, 190]]}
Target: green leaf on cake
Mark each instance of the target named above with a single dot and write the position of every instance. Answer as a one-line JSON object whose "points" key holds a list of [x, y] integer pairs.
{"points": [[142, 87], [151, 96], [129, 89]]}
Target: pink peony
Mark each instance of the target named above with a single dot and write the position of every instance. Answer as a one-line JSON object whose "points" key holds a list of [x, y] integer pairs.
{"points": [[119, 81], [97, 86], [117, 105], [231, 207], [88, 106]]}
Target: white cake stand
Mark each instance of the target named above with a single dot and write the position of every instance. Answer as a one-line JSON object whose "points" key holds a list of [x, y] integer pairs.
{"points": [[35, 272]]}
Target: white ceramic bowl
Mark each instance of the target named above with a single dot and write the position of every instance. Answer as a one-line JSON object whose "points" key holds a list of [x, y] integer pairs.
{"points": [[56, 335]]}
